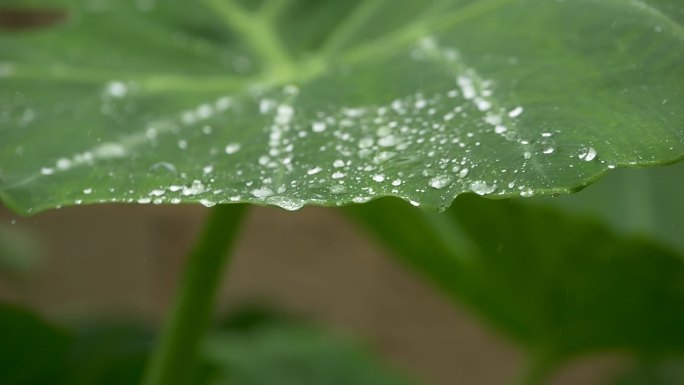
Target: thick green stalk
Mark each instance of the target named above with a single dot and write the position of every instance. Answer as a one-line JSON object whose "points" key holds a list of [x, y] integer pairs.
{"points": [[175, 354]]}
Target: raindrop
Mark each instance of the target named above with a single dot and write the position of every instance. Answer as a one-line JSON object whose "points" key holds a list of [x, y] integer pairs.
{"points": [[287, 203], [63, 164], [548, 146], [232, 148], [314, 170], [88, 191], [164, 166], [587, 154], [379, 178], [116, 89], [514, 113], [207, 203], [197, 187], [318, 126], [262, 192], [482, 188], [440, 181], [337, 189]]}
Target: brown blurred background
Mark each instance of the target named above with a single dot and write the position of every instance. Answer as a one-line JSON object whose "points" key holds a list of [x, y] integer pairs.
{"points": [[123, 261]]}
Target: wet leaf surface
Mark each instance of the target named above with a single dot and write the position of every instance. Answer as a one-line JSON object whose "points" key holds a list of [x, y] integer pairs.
{"points": [[334, 102]]}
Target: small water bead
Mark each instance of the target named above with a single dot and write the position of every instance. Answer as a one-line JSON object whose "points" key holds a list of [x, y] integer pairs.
{"points": [[587, 154], [116, 89], [514, 113], [396, 182], [47, 171], [289, 204], [548, 146], [88, 191], [318, 127], [232, 148], [266, 105], [440, 181], [366, 142], [337, 189], [145, 200], [379, 178], [157, 192], [463, 173], [262, 192], [63, 164], [314, 171], [182, 144], [527, 192], [204, 111], [338, 163], [197, 187], [284, 114], [482, 188], [207, 203], [338, 175], [164, 166]]}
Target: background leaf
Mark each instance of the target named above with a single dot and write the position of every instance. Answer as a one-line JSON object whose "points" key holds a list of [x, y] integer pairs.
{"points": [[646, 202], [665, 372], [291, 355], [560, 285], [333, 102], [32, 352]]}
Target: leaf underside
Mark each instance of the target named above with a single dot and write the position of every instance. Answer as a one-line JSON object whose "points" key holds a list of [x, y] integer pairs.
{"points": [[290, 103]]}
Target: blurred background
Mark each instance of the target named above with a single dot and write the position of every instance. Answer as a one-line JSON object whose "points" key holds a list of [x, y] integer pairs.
{"points": [[122, 262]]}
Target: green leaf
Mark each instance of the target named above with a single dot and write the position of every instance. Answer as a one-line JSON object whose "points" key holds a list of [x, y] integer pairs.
{"points": [[332, 102], [648, 203], [664, 372], [32, 352], [108, 353], [560, 285], [291, 355]]}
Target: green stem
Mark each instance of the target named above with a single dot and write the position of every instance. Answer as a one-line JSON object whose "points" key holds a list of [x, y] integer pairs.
{"points": [[174, 356]]}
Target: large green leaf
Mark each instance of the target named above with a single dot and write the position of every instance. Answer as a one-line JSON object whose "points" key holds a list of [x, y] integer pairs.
{"points": [[558, 284], [333, 102]]}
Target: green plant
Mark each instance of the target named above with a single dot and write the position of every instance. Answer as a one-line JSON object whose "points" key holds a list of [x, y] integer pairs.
{"points": [[334, 103]]}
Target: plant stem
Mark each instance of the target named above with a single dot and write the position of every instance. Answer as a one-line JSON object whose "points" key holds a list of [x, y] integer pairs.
{"points": [[175, 354]]}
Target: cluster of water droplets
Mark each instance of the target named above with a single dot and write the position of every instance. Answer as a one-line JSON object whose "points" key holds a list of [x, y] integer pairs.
{"points": [[423, 147]]}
